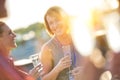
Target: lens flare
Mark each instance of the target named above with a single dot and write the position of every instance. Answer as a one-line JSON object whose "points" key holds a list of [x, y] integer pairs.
{"points": [[82, 38]]}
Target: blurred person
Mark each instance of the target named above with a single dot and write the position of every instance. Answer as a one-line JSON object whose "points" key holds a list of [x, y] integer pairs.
{"points": [[8, 71], [114, 65], [93, 66], [59, 58], [96, 62], [110, 56]]}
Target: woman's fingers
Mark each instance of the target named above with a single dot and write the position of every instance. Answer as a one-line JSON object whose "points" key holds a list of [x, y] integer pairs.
{"points": [[66, 62], [77, 71], [35, 72]]}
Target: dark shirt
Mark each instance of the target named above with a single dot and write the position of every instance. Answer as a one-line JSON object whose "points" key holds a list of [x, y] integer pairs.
{"points": [[10, 72]]}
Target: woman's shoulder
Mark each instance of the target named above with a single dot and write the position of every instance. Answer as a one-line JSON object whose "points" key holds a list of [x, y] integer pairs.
{"points": [[47, 45], [50, 43]]}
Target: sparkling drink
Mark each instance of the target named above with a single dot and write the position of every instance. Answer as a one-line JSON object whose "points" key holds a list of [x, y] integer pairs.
{"points": [[67, 51]]}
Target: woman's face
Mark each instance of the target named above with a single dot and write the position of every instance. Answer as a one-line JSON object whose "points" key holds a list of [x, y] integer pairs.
{"points": [[7, 39], [57, 24]]}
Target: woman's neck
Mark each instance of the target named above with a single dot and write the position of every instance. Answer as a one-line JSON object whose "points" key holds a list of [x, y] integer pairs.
{"points": [[64, 39], [4, 52]]}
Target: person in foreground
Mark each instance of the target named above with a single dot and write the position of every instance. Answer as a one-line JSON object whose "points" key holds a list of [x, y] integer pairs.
{"points": [[8, 71], [58, 56]]}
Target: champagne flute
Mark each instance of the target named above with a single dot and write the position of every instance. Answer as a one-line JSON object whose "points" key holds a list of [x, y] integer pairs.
{"points": [[67, 52]]}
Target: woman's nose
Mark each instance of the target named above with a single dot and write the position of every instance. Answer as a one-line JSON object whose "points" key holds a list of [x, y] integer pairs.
{"points": [[14, 35]]}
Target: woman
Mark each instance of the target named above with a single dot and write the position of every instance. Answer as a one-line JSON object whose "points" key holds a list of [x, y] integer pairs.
{"points": [[58, 56], [7, 69]]}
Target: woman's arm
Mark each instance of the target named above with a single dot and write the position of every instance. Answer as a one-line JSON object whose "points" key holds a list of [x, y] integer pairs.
{"points": [[46, 58]]}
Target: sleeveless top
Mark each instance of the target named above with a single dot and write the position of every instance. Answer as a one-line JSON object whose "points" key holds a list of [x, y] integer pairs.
{"points": [[57, 53]]}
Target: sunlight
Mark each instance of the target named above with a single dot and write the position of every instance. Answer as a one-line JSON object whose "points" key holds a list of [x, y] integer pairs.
{"points": [[113, 4], [81, 29], [82, 38], [113, 36], [25, 12], [83, 26], [22, 13], [111, 22]]}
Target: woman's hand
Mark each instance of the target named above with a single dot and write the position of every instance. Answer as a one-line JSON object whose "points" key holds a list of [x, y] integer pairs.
{"points": [[36, 71], [64, 62], [76, 72]]}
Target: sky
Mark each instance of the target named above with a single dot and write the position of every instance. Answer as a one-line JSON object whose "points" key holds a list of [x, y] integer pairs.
{"points": [[22, 13]]}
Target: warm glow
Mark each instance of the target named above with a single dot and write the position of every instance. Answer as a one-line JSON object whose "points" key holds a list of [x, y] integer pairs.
{"points": [[97, 58], [113, 36], [88, 18], [106, 76], [22, 13], [82, 38], [113, 4], [111, 22], [81, 29]]}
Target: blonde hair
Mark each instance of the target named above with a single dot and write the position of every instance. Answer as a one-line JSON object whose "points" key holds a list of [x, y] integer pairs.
{"points": [[58, 11]]}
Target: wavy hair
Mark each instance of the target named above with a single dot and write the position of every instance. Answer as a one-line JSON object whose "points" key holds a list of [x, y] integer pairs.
{"points": [[57, 11]]}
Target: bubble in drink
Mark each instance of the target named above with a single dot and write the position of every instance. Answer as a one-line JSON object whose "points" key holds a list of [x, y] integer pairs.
{"points": [[66, 50]]}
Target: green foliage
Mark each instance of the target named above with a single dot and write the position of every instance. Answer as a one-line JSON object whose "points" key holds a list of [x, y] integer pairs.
{"points": [[36, 27], [20, 31]]}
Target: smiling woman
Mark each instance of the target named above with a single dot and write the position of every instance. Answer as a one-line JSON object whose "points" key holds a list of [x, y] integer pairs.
{"points": [[8, 70]]}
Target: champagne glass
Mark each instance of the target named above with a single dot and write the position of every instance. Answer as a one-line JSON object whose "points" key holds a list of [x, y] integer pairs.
{"points": [[67, 52]]}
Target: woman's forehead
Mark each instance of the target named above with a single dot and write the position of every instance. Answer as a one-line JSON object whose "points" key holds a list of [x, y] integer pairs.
{"points": [[55, 16], [51, 16]]}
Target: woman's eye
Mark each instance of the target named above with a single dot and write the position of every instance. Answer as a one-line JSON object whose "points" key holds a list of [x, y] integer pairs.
{"points": [[10, 33]]}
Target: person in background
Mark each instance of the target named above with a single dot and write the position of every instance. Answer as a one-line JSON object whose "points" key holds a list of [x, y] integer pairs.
{"points": [[8, 71], [58, 56]]}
